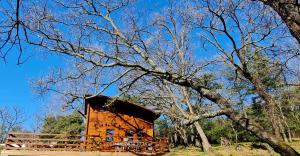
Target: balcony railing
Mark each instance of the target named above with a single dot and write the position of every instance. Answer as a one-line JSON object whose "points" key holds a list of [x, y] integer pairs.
{"points": [[67, 142]]}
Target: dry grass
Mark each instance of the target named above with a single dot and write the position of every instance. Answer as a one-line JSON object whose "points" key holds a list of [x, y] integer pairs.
{"points": [[245, 150], [296, 145]]}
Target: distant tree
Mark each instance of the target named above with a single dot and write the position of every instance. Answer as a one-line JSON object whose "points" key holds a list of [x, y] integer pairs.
{"points": [[290, 108], [37, 124], [69, 124], [162, 127], [11, 119], [223, 128]]}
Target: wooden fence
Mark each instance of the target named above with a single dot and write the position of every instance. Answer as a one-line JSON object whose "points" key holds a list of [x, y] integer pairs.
{"points": [[67, 142]]}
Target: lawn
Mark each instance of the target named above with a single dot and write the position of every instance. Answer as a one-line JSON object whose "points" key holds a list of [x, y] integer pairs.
{"points": [[244, 150]]}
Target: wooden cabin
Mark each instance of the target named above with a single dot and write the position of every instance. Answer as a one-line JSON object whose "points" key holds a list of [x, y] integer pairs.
{"points": [[118, 122], [111, 125]]}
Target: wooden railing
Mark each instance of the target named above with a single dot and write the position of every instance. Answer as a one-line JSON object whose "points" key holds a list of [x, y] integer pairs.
{"points": [[149, 145], [41, 142], [66, 142]]}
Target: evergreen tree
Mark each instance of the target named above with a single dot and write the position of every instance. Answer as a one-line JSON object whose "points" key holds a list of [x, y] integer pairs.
{"points": [[69, 124]]}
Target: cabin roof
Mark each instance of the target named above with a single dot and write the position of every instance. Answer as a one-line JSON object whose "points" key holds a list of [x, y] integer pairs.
{"points": [[121, 104]]}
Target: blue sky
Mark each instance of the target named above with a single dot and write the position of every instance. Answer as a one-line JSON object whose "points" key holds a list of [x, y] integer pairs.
{"points": [[15, 85], [16, 89]]}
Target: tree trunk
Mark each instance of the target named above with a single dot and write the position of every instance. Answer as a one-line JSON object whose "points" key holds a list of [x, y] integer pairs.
{"points": [[235, 133], [289, 135], [192, 135], [289, 138], [277, 144], [283, 134], [272, 113], [275, 121], [205, 144], [183, 136], [175, 140], [197, 142]]}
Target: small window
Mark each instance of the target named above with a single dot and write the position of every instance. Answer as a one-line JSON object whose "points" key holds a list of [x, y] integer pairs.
{"points": [[110, 132], [139, 132], [129, 133], [101, 109], [110, 135], [109, 139]]}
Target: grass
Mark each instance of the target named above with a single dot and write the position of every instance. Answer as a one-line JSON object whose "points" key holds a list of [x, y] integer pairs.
{"points": [[296, 145], [245, 150]]}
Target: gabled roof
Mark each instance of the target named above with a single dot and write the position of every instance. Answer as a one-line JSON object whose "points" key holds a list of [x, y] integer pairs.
{"points": [[121, 106]]}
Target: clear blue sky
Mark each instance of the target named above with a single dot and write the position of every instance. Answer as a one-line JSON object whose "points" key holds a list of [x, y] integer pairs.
{"points": [[15, 85], [16, 89]]}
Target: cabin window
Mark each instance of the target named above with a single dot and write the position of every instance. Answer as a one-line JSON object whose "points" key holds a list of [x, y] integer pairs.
{"points": [[110, 132], [110, 135], [101, 109], [129, 133], [109, 139], [139, 132]]}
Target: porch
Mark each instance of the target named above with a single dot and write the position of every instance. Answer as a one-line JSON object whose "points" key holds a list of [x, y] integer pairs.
{"points": [[82, 143]]}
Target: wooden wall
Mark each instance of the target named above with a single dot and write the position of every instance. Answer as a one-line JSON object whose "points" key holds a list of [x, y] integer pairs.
{"points": [[98, 123]]}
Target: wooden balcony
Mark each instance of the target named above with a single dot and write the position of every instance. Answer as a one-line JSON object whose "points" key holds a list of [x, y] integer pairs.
{"points": [[67, 142]]}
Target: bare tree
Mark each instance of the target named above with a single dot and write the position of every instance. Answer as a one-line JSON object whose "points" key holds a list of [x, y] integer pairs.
{"points": [[289, 11], [107, 43], [37, 124], [173, 101], [10, 118], [240, 60]]}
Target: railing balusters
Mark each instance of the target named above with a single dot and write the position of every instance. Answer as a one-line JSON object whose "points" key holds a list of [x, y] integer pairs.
{"points": [[65, 142]]}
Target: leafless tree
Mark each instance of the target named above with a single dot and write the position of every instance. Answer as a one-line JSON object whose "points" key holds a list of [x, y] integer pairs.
{"points": [[110, 39], [289, 11], [10, 118], [173, 101]]}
